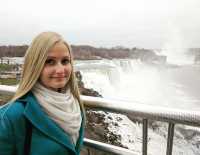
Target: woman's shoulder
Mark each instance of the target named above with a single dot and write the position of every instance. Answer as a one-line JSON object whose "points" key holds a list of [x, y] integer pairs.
{"points": [[11, 117], [12, 110]]}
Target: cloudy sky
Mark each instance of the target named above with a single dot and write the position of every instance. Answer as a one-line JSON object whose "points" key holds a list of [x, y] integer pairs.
{"points": [[104, 23]]}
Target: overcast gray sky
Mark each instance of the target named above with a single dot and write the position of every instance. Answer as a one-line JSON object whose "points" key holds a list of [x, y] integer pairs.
{"points": [[107, 23]]}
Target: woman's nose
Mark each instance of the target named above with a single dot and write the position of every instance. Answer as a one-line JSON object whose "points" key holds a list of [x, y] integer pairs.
{"points": [[60, 68]]}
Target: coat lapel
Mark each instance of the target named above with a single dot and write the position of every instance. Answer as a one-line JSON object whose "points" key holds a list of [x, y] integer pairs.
{"points": [[81, 135], [39, 119]]}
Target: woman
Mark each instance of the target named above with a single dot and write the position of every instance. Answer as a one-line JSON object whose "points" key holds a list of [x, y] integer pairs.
{"points": [[45, 116]]}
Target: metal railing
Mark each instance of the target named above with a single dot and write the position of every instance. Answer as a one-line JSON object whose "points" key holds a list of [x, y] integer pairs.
{"points": [[146, 112]]}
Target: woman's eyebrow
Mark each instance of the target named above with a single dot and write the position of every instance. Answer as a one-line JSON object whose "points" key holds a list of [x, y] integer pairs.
{"points": [[67, 57]]}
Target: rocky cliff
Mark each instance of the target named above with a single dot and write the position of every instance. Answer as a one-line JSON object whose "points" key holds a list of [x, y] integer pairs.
{"points": [[96, 126]]}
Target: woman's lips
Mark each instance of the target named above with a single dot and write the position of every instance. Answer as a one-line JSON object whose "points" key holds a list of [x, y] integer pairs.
{"points": [[59, 77]]}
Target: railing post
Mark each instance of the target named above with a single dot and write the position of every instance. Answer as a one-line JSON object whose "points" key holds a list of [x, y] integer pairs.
{"points": [[88, 151], [144, 136], [170, 139]]}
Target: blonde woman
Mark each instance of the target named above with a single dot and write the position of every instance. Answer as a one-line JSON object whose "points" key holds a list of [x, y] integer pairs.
{"points": [[45, 116]]}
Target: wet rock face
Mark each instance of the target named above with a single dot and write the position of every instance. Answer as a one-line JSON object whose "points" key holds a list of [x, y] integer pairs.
{"points": [[83, 90], [1, 102], [98, 129]]}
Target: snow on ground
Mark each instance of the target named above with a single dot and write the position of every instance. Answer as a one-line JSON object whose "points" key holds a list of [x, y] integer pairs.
{"points": [[131, 136]]}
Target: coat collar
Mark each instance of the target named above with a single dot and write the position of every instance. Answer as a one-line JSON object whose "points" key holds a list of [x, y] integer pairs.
{"points": [[34, 113]]}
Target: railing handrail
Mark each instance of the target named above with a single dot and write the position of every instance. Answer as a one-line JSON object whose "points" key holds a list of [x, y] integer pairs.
{"points": [[186, 117], [172, 116], [108, 148]]}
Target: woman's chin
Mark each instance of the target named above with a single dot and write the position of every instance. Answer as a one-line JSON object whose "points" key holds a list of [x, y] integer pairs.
{"points": [[59, 86]]}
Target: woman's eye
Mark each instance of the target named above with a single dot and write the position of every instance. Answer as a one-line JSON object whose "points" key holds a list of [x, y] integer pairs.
{"points": [[65, 61], [49, 61]]}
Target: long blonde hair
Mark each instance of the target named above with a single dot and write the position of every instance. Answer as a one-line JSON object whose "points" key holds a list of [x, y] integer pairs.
{"points": [[35, 58]]}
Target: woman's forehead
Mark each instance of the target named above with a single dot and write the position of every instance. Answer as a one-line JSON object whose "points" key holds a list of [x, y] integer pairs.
{"points": [[59, 49]]}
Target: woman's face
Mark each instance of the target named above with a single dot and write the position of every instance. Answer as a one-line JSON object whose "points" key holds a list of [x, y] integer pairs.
{"points": [[57, 69]]}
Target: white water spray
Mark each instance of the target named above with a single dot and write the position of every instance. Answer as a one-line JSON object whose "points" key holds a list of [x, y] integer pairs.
{"points": [[176, 47]]}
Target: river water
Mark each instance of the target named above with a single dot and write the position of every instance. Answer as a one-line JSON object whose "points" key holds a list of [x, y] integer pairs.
{"points": [[131, 80]]}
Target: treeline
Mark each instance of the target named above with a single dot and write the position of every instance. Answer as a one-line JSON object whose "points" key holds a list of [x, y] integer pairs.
{"points": [[85, 52], [13, 51]]}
